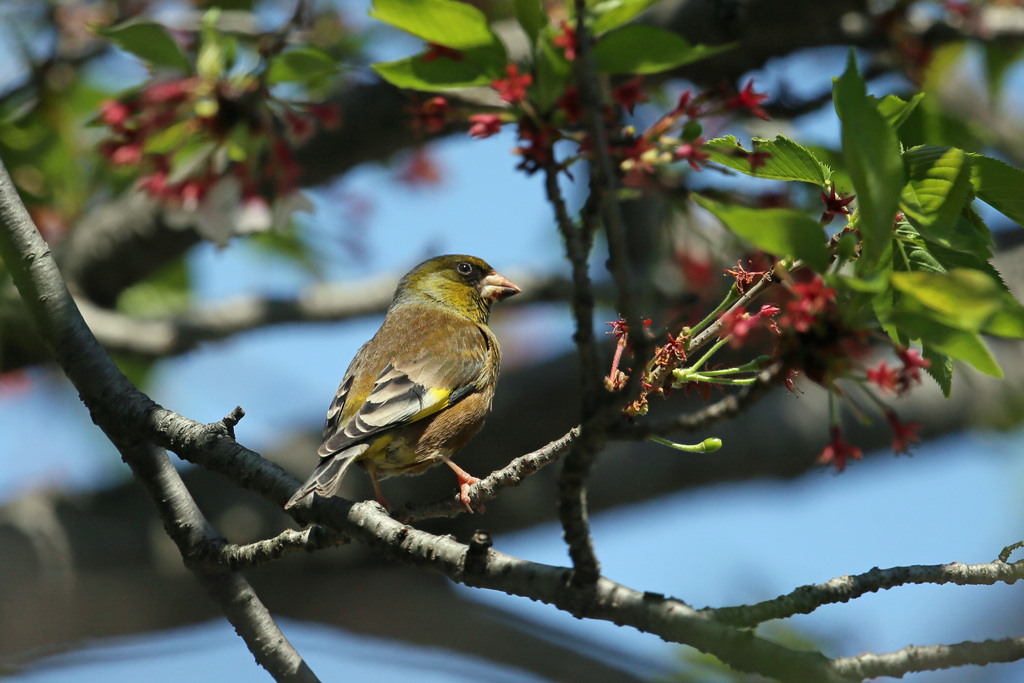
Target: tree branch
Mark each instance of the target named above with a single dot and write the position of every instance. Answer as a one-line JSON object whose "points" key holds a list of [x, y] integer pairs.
{"points": [[606, 600], [806, 599], [238, 557], [124, 412], [103, 388], [929, 658], [160, 337], [191, 532], [487, 488]]}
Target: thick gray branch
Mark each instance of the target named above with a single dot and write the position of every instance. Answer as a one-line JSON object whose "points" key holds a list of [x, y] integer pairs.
{"points": [[105, 390]]}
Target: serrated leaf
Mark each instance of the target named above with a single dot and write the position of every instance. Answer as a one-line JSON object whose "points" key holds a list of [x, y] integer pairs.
{"points": [[965, 299], [532, 16], [786, 159], [970, 235], [951, 259], [306, 64], [617, 14], [476, 67], [959, 344], [936, 190], [641, 49], [999, 185], [940, 367], [783, 232], [445, 22], [150, 42], [872, 154], [894, 110]]}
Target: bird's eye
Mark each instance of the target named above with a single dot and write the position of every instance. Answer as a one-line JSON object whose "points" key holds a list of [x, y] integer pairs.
{"points": [[464, 268]]}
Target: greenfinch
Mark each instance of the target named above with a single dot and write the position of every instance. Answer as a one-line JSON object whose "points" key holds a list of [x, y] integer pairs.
{"points": [[421, 387]]}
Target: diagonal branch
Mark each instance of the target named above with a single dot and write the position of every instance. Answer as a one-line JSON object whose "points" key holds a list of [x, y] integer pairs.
{"points": [[931, 657], [107, 393], [191, 532], [806, 599], [487, 488]]}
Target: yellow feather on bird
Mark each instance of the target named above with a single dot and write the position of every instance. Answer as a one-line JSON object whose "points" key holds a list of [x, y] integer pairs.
{"points": [[421, 387]]}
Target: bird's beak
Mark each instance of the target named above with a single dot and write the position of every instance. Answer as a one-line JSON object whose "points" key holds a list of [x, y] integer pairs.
{"points": [[495, 287]]}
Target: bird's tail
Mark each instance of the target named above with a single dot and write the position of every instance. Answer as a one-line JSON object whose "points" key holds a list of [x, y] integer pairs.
{"points": [[325, 478]]}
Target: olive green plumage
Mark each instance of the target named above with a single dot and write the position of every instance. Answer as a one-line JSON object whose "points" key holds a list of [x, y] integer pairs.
{"points": [[421, 387]]}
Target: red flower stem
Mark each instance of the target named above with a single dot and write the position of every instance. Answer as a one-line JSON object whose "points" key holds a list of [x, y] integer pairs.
{"points": [[615, 361]]}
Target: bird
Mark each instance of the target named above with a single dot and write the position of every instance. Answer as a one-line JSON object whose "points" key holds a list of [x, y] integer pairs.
{"points": [[419, 390]]}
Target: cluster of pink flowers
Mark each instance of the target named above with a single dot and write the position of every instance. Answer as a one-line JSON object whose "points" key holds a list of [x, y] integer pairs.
{"points": [[140, 122]]}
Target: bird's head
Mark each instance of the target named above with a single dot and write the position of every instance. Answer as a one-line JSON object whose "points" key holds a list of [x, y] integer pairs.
{"points": [[463, 283]]}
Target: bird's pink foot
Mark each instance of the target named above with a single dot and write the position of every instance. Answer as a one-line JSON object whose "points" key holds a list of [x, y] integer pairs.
{"points": [[378, 493], [465, 481]]}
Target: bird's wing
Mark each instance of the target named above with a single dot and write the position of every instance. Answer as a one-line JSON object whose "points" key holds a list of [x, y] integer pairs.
{"points": [[414, 385]]}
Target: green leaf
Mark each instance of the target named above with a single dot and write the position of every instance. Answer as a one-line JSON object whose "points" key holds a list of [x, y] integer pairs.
{"points": [[894, 110], [445, 22], [951, 259], [150, 42], [211, 59], [478, 66], [959, 344], [783, 232], [970, 235], [929, 124], [965, 299], [614, 14], [872, 154], [786, 159], [940, 368], [170, 138], [999, 57], [874, 285], [939, 181], [532, 16], [999, 185], [553, 71], [306, 64], [919, 256], [640, 49]]}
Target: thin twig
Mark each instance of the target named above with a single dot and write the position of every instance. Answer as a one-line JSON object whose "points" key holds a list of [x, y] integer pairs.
{"points": [[724, 408], [660, 374], [487, 488], [806, 599], [258, 553], [604, 181], [578, 250], [572, 493]]}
